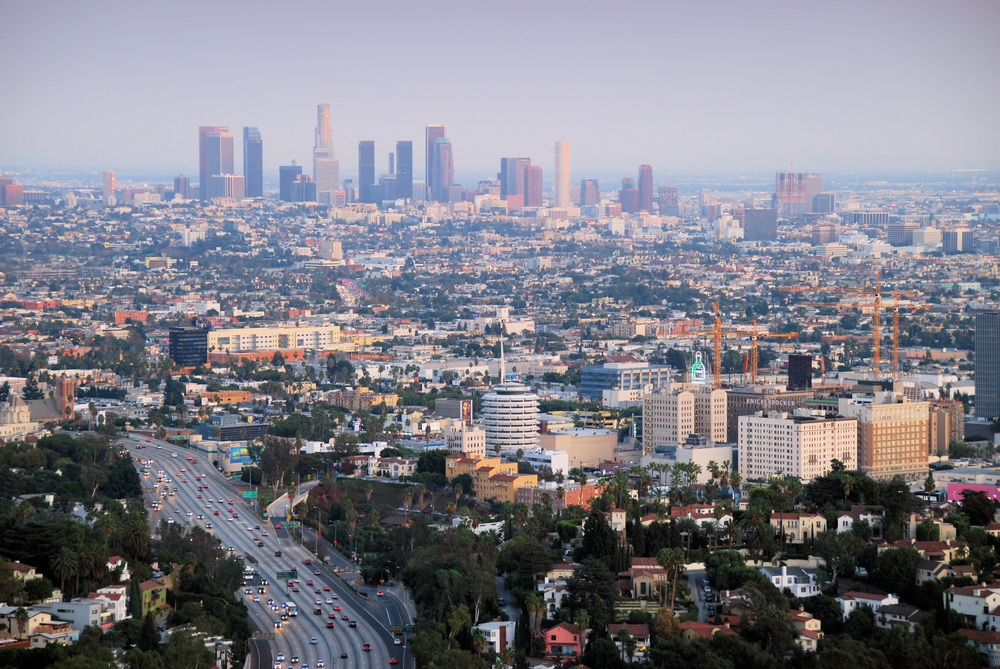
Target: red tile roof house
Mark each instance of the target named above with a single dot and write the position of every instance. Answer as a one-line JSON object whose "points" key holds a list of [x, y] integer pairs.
{"points": [[564, 641], [694, 630]]}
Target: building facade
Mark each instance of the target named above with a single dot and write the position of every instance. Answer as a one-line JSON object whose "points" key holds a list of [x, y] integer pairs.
{"points": [[892, 434], [510, 416], [987, 371], [798, 445]]}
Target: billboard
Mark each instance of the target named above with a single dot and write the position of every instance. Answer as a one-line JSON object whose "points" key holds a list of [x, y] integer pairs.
{"points": [[239, 455]]}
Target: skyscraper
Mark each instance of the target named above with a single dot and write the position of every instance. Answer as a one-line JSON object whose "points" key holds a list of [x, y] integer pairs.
{"points": [[219, 159], [182, 187], [987, 369], [760, 225], [366, 170], [590, 192], [668, 201], [532, 187], [645, 188], [628, 196], [562, 175], [253, 162], [404, 170], [442, 170], [108, 188], [287, 174], [512, 176], [326, 168], [435, 131], [203, 162], [799, 372]]}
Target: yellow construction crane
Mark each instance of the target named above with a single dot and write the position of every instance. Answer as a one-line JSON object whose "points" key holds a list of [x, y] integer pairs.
{"points": [[754, 334]]}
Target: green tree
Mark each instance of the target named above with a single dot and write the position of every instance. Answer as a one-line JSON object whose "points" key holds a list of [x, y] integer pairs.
{"points": [[978, 507], [599, 540], [895, 570], [38, 589], [31, 390], [149, 638]]}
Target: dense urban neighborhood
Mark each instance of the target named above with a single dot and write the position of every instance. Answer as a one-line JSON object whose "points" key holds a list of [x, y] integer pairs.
{"points": [[728, 429]]}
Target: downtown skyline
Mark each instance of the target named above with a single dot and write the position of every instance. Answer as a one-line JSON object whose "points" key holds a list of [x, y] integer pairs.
{"points": [[894, 87]]}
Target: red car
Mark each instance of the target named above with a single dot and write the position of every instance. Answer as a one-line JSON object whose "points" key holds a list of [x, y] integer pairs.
{"points": [[308, 562]]}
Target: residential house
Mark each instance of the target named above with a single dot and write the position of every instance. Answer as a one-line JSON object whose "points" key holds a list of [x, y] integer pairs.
{"points": [[800, 582], [638, 632], [945, 530], [564, 641], [8, 617], [945, 551], [987, 642], [642, 580], [935, 570], [500, 634], [907, 615], [691, 630], [873, 515], [53, 632], [396, 467], [80, 612], [797, 528], [555, 595], [114, 601], [23, 572], [976, 604], [993, 529], [116, 563], [853, 600], [561, 572], [810, 630], [154, 596], [702, 514]]}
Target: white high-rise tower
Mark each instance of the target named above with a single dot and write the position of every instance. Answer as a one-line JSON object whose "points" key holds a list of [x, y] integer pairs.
{"points": [[562, 174], [510, 413], [326, 168]]}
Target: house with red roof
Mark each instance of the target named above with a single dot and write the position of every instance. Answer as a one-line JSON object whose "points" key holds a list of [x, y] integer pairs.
{"points": [[853, 600], [987, 642], [691, 630]]}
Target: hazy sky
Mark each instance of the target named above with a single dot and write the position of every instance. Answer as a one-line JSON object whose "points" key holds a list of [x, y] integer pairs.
{"points": [[683, 85]]}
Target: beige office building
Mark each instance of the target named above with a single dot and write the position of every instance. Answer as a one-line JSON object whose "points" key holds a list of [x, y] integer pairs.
{"points": [[247, 340], [670, 416], [801, 444], [892, 434]]}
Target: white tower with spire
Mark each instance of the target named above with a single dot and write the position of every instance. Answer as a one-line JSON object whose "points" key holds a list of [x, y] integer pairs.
{"points": [[510, 413]]}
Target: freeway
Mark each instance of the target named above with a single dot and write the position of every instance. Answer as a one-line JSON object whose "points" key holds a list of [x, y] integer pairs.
{"points": [[238, 529]]}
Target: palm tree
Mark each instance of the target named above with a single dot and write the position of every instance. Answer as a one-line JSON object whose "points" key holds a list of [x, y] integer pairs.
{"points": [[22, 617], [688, 528], [561, 496], [64, 565], [672, 561], [535, 605]]}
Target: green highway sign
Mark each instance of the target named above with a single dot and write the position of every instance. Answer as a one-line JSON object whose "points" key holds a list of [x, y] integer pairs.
{"points": [[249, 494], [408, 628], [286, 575], [292, 523]]}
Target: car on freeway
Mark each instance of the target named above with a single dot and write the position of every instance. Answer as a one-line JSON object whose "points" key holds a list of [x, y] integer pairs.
{"points": [[343, 656], [280, 657], [295, 659], [392, 660], [308, 562], [320, 663], [344, 616], [329, 626], [336, 608], [367, 646], [380, 593], [353, 623], [398, 642], [314, 641]]}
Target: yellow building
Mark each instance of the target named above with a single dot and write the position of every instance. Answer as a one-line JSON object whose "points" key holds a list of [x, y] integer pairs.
{"points": [[491, 477], [504, 487]]}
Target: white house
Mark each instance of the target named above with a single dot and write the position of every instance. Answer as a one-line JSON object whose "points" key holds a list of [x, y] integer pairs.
{"points": [[555, 595], [851, 601], [499, 634], [114, 602], [975, 604], [800, 582]]}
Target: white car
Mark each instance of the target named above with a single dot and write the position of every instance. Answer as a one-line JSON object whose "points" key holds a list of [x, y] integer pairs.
{"points": [[314, 641], [280, 657]]}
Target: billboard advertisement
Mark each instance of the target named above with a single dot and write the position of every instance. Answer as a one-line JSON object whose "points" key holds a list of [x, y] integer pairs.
{"points": [[239, 455]]}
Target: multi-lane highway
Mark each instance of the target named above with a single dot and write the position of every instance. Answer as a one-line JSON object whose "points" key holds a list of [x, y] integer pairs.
{"points": [[203, 497]]}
